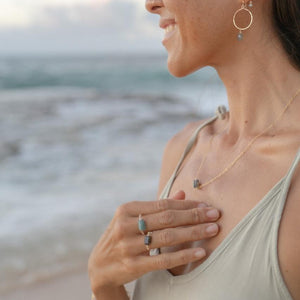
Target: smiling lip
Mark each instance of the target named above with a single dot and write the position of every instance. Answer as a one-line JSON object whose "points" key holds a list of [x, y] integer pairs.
{"points": [[166, 22], [169, 26]]}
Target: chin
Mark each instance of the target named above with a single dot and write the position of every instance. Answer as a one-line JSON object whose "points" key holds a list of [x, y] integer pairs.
{"points": [[180, 68]]}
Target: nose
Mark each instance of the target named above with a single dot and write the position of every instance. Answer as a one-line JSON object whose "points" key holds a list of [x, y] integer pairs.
{"points": [[154, 6]]}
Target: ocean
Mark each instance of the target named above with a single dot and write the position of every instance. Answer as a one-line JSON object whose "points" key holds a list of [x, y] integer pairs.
{"points": [[79, 137]]}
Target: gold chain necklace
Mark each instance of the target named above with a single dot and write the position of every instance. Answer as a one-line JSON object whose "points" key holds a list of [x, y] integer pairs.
{"points": [[196, 181], [221, 114], [198, 185]]}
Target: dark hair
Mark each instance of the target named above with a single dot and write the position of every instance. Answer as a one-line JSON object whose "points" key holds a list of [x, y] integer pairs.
{"points": [[286, 19]]}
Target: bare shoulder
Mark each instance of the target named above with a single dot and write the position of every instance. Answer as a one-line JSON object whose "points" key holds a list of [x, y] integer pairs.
{"points": [[289, 238], [173, 151]]}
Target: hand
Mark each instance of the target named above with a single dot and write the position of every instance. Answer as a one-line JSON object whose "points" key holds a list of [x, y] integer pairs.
{"points": [[120, 255]]}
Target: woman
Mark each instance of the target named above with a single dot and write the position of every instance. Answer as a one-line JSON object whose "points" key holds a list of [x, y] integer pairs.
{"points": [[231, 231]]}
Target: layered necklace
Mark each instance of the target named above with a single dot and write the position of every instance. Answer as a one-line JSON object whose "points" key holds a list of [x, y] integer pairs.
{"points": [[198, 185]]}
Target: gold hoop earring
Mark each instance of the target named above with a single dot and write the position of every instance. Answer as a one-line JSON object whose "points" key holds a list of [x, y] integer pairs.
{"points": [[244, 7]]}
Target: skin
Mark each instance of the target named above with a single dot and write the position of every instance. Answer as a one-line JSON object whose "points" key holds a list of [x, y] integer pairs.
{"points": [[259, 80]]}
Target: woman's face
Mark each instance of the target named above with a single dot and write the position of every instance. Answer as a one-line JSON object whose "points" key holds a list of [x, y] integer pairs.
{"points": [[198, 32]]}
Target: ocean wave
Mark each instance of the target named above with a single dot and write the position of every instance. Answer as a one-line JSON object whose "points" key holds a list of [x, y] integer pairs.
{"points": [[75, 148]]}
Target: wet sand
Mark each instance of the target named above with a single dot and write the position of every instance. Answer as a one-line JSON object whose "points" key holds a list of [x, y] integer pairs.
{"points": [[74, 286]]}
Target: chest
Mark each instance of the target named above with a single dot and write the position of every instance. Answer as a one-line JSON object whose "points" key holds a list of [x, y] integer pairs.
{"points": [[235, 193]]}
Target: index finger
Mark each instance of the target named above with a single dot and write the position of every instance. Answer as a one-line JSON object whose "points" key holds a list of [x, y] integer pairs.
{"points": [[135, 208]]}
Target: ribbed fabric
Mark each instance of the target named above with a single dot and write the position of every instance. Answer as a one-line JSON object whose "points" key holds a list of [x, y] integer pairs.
{"points": [[243, 267]]}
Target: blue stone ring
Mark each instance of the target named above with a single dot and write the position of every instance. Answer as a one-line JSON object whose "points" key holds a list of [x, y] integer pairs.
{"points": [[142, 225], [148, 240]]}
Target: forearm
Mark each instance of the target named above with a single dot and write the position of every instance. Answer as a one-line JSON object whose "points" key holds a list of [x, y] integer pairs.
{"points": [[112, 293]]}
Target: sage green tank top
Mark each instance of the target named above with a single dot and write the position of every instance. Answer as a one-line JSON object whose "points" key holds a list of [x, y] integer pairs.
{"points": [[244, 266]]}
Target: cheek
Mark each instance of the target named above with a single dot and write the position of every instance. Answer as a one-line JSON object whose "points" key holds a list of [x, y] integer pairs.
{"points": [[194, 37], [205, 19], [203, 36], [206, 31]]}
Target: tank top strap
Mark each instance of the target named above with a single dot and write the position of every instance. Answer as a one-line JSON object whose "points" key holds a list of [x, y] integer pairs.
{"points": [[291, 172], [220, 113], [286, 185], [275, 217]]}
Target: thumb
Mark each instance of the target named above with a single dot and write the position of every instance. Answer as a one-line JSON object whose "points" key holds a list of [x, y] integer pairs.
{"points": [[179, 195]]}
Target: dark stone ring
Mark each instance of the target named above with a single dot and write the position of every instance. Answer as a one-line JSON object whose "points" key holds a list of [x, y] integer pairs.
{"points": [[148, 240]]}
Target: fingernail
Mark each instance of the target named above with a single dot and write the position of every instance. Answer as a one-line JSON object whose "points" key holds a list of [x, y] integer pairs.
{"points": [[212, 228], [213, 213], [202, 204], [200, 253]]}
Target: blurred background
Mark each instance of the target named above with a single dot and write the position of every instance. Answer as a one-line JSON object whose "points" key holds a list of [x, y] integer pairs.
{"points": [[86, 108]]}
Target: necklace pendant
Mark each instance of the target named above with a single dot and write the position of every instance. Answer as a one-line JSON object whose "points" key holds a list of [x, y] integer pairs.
{"points": [[197, 184]]}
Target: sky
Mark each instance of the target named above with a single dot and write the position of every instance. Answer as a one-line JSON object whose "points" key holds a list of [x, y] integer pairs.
{"points": [[77, 27]]}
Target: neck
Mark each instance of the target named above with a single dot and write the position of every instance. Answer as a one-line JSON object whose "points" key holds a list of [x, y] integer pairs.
{"points": [[259, 85]]}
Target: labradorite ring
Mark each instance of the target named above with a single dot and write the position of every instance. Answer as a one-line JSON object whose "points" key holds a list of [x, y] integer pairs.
{"points": [[148, 240], [142, 225]]}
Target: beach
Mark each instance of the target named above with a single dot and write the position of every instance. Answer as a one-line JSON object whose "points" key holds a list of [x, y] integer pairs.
{"points": [[79, 137], [68, 286]]}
